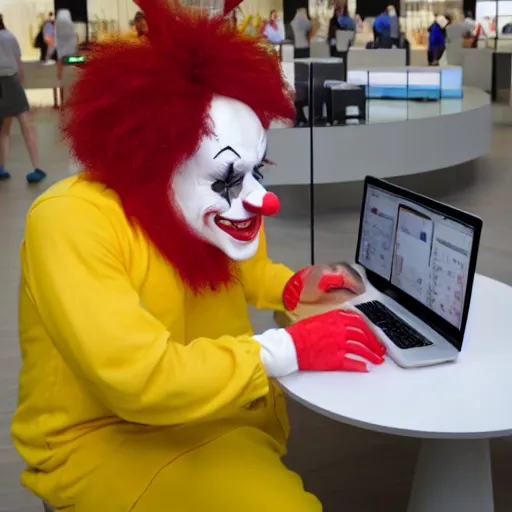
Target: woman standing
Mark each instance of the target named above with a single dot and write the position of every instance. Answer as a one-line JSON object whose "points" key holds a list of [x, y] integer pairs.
{"points": [[49, 39], [65, 35], [334, 26], [13, 103], [65, 40], [272, 31], [39, 41], [302, 28], [394, 26]]}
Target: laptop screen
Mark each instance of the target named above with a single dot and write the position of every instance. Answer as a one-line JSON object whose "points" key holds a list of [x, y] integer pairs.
{"points": [[419, 250]]}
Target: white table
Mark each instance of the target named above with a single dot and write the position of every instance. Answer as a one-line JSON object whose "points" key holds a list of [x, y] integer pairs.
{"points": [[454, 408]]}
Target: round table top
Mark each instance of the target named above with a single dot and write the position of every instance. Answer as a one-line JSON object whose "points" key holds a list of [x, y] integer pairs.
{"points": [[471, 398]]}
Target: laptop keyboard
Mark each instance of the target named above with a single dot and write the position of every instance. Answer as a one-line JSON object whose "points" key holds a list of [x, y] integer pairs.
{"points": [[399, 332]]}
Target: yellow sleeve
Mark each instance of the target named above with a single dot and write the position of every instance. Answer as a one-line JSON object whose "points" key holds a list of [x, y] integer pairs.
{"points": [[76, 277], [264, 280]]}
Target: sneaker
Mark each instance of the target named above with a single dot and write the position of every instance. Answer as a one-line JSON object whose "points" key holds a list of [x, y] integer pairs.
{"points": [[36, 176], [4, 175]]}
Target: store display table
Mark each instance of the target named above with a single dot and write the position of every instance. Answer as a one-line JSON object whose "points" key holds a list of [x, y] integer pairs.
{"points": [[454, 408], [459, 130]]}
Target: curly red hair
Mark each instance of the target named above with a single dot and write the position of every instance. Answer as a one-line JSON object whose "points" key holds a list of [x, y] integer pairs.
{"points": [[139, 110]]}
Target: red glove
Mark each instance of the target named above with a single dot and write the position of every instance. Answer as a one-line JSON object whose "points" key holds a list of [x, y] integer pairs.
{"points": [[325, 280], [325, 342], [323, 285]]}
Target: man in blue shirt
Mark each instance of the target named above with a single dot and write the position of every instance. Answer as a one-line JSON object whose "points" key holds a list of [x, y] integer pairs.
{"points": [[382, 31], [436, 40]]}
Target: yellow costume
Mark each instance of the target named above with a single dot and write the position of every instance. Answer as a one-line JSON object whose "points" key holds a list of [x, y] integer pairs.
{"points": [[143, 387], [106, 388]]}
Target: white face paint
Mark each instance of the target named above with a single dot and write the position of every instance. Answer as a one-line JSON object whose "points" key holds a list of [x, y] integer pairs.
{"points": [[218, 189]]}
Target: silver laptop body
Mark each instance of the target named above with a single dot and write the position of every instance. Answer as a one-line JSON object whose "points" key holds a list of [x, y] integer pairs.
{"points": [[417, 258]]}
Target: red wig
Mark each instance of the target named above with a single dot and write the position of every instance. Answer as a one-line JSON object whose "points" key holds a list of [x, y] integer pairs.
{"points": [[139, 110]]}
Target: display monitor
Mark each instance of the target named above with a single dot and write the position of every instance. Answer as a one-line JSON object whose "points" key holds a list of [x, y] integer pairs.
{"points": [[421, 84], [451, 82], [410, 83], [388, 84], [357, 77]]}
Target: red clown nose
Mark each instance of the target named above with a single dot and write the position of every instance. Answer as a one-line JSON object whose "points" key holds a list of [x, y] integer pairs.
{"points": [[262, 203]]}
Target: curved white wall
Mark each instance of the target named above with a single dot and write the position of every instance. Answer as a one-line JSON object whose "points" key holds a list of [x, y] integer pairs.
{"points": [[383, 149]]}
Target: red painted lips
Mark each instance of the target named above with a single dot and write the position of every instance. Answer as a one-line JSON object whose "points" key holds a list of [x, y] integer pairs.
{"points": [[241, 230]]}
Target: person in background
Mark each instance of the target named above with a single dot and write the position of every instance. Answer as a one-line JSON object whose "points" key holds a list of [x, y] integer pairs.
{"points": [[272, 31], [346, 24], [382, 31], [39, 41], [359, 23], [458, 32], [65, 38], [302, 30], [394, 26], [49, 39], [40, 44], [436, 40], [14, 103], [469, 17], [448, 24], [140, 23], [507, 29], [334, 26], [345, 21]]}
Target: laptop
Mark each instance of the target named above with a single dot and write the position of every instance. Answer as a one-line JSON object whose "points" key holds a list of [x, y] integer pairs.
{"points": [[417, 257]]}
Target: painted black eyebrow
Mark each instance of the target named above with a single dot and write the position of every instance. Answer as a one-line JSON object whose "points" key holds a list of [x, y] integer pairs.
{"points": [[227, 148]]}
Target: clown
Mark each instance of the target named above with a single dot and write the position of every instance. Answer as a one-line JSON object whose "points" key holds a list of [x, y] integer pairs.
{"points": [[143, 387]]}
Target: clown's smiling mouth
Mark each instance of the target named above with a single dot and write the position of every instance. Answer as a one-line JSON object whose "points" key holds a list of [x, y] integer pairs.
{"points": [[243, 230]]}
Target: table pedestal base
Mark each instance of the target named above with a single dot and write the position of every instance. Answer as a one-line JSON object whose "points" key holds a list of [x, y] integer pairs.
{"points": [[453, 476]]}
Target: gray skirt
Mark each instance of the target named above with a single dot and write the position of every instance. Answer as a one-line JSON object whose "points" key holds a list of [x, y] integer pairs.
{"points": [[13, 100]]}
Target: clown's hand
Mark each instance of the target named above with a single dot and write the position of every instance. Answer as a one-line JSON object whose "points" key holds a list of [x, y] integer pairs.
{"points": [[333, 341], [322, 284]]}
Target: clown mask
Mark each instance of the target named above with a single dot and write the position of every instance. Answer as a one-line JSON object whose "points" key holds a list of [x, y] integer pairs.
{"points": [[218, 190]]}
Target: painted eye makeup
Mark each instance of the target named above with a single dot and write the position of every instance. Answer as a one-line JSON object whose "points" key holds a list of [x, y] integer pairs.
{"points": [[257, 174], [228, 180]]}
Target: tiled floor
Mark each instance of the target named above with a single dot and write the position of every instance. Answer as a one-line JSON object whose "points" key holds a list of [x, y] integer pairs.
{"points": [[351, 470]]}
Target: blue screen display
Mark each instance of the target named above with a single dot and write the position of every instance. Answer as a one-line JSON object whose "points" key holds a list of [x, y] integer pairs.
{"points": [[432, 84]]}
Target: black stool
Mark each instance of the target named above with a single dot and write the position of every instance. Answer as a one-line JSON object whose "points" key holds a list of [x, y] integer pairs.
{"points": [[340, 97]]}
